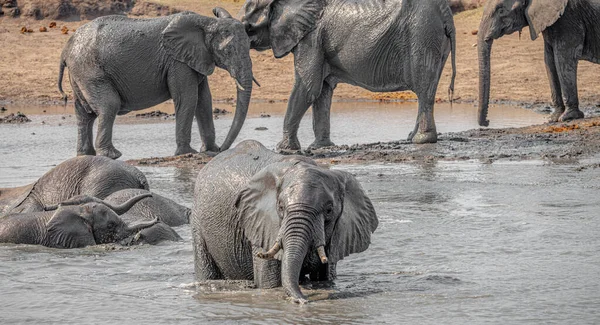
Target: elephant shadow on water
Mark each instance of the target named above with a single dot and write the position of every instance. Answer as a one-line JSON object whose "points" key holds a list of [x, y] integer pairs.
{"points": [[276, 220]]}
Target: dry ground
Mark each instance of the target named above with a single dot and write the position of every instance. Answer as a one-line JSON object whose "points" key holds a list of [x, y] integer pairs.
{"points": [[29, 65]]}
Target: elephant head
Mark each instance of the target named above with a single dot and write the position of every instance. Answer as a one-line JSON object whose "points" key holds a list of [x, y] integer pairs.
{"points": [[92, 222], [298, 211], [205, 42], [502, 17], [280, 24]]}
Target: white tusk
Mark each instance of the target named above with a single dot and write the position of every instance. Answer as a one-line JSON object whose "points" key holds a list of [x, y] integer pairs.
{"points": [[239, 85]]}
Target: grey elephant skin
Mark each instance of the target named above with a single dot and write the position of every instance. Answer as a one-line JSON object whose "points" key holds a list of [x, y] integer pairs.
{"points": [[378, 45], [96, 176], [571, 32], [275, 219], [71, 226], [118, 64], [155, 207]]}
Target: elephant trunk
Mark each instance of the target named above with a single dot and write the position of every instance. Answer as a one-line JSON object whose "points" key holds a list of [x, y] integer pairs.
{"points": [[122, 208], [484, 47], [243, 79], [296, 242]]}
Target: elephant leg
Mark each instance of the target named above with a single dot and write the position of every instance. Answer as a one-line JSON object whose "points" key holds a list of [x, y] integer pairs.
{"points": [[297, 106], [267, 273], [204, 118], [322, 118], [557, 101], [566, 64], [184, 90], [107, 102], [204, 264], [85, 125]]}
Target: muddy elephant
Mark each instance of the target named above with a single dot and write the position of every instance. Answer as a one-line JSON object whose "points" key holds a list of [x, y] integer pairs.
{"points": [[71, 226], [571, 33], [95, 176], [381, 46], [119, 64], [274, 219], [153, 207]]}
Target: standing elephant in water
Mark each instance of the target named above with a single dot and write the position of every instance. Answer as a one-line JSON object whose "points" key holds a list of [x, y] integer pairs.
{"points": [[118, 65], [379, 45], [95, 176], [92, 223], [249, 200], [571, 31]]}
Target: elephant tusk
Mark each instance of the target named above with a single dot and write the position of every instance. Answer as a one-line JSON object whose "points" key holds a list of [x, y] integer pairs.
{"points": [[322, 256], [237, 83], [271, 253], [256, 82]]}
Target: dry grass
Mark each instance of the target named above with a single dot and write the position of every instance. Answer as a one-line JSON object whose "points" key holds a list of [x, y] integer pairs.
{"points": [[29, 64]]}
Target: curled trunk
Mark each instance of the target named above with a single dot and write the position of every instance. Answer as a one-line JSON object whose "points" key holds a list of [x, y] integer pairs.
{"points": [[484, 51]]}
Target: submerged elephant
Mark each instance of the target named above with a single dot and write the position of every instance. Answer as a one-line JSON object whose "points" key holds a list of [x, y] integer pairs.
{"points": [[249, 200], [118, 64], [71, 226], [379, 45], [571, 32], [95, 176]]}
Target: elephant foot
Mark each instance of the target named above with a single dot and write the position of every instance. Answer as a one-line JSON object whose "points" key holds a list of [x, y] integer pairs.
{"points": [[321, 144], [555, 115], [182, 150], [111, 153], [86, 152], [424, 137], [213, 148], [288, 144], [571, 114], [298, 300]]}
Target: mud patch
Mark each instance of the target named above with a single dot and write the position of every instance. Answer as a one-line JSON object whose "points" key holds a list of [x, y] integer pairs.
{"points": [[15, 118], [190, 160], [155, 114]]}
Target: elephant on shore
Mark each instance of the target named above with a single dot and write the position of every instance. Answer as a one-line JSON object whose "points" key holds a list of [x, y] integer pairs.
{"points": [[275, 219], [119, 64], [379, 45], [77, 226], [95, 176], [571, 31]]}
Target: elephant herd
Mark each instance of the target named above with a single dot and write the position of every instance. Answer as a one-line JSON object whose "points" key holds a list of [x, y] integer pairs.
{"points": [[273, 219]]}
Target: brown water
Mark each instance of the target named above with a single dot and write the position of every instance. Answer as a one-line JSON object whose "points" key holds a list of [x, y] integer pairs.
{"points": [[458, 242]]}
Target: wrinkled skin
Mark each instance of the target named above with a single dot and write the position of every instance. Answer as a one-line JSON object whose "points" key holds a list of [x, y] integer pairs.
{"points": [[118, 65], [155, 207], [571, 33], [379, 45], [95, 176], [71, 226], [276, 219]]}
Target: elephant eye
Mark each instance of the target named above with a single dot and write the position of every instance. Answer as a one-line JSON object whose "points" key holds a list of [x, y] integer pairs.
{"points": [[329, 209]]}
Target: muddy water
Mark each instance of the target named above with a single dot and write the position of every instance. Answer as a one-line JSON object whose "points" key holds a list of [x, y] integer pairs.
{"points": [[458, 243]]}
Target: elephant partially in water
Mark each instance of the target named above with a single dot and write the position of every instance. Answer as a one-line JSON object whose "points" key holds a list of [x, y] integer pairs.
{"points": [[72, 226], [96, 176]]}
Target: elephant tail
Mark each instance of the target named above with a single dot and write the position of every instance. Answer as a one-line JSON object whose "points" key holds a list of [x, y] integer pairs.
{"points": [[451, 34], [61, 72]]}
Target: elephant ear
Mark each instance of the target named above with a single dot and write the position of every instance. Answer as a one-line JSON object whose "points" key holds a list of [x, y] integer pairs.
{"points": [[541, 14], [290, 21], [68, 229], [257, 206], [352, 232], [184, 40]]}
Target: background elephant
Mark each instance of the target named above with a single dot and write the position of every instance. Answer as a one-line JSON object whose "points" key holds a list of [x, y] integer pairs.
{"points": [[378, 45], [571, 31], [71, 226], [118, 64], [249, 199], [95, 176]]}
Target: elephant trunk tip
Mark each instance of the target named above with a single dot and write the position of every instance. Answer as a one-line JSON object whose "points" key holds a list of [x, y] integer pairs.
{"points": [[322, 256]]}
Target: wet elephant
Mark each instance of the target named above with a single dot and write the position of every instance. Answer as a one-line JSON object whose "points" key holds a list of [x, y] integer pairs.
{"points": [[274, 219]]}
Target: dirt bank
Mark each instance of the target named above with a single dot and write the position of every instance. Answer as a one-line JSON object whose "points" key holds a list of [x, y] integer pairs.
{"points": [[29, 65]]}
